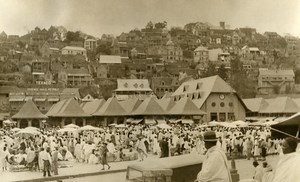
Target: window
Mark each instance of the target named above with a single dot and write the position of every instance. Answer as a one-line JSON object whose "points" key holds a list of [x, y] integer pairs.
{"points": [[230, 104], [162, 83], [214, 116], [222, 116], [213, 104], [185, 87], [231, 116], [198, 86], [222, 104]]}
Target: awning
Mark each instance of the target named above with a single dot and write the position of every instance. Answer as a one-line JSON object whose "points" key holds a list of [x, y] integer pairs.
{"points": [[136, 121], [173, 121], [129, 120], [40, 99], [16, 99], [150, 121], [54, 99], [161, 121], [187, 121]]}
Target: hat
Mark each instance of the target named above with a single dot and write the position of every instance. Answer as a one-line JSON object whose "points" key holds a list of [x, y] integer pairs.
{"points": [[210, 136]]}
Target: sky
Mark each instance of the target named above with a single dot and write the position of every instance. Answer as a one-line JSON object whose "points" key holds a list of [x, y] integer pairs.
{"points": [[96, 17]]}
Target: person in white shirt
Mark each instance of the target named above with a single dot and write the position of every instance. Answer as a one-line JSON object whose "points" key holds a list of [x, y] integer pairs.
{"points": [[46, 160], [258, 174], [215, 166], [288, 167]]}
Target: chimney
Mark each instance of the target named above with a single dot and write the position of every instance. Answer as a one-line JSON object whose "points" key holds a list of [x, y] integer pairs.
{"points": [[222, 24]]}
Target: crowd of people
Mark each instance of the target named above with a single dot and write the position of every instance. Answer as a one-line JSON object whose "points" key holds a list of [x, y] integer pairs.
{"points": [[45, 151]]}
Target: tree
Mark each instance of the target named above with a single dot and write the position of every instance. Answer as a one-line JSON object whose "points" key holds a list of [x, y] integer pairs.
{"points": [[222, 72], [103, 48], [73, 36], [240, 81], [149, 25], [92, 90], [211, 70], [160, 25]]}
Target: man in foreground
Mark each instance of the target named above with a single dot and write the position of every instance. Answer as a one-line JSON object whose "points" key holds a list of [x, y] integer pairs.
{"points": [[288, 167], [215, 166]]}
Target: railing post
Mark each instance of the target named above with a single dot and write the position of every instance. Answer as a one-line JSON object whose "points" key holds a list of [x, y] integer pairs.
{"points": [[233, 171]]}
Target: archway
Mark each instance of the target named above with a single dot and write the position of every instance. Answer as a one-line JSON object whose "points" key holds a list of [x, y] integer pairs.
{"points": [[120, 120], [79, 122], [68, 121], [110, 120], [35, 123], [23, 123]]}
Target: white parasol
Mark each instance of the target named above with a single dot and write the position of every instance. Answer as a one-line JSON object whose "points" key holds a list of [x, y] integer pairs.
{"points": [[26, 133], [89, 127], [67, 130], [163, 126], [121, 126], [71, 126], [15, 129]]}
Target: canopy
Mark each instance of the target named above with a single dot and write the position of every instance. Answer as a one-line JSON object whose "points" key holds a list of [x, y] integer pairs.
{"points": [[185, 121], [213, 123], [203, 126], [163, 126], [240, 123], [15, 129], [67, 130], [136, 121], [293, 120], [8, 121], [258, 123], [88, 127], [26, 133], [161, 121], [270, 123], [71, 126], [32, 128], [228, 125], [150, 121], [121, 126]]}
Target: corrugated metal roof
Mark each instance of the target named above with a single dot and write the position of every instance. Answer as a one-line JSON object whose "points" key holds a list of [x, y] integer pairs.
{"points": [[263, 72], [280, 105], [149, 107], [29, 111], [130, 104], [255, 104], [111, 108], [67, 108], [74, 48], [109, 59], [185, 107], [166, 103], [204, 86], [92, 106], [273, 105]]}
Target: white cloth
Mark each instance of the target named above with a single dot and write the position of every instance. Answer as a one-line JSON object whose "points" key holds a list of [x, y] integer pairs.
{"points": [[288, 168], [258, 173], [214, 167]]}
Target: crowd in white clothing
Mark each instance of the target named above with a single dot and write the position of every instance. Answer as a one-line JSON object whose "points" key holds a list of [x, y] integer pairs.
{"points": [[133, 140]]}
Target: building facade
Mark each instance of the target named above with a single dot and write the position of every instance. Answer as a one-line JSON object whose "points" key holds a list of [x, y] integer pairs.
{"points": [[276, 81], [213, 96], [73, 51]]}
